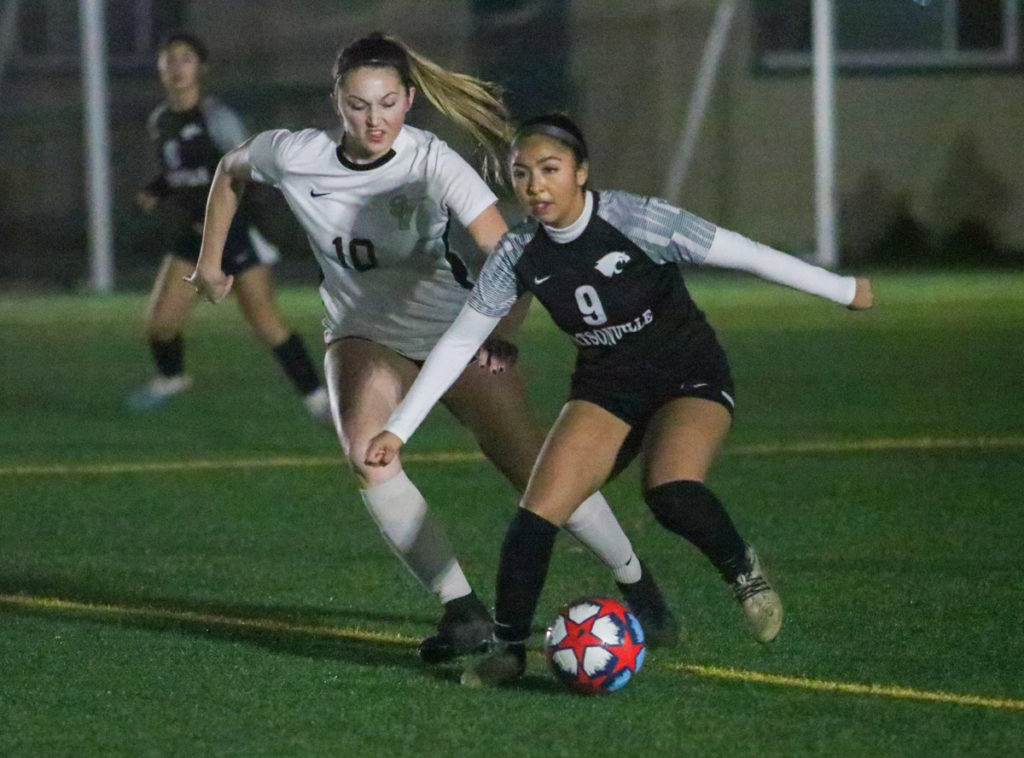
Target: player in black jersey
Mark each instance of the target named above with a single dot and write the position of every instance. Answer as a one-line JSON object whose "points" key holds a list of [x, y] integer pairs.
{"points": [[190, 133], [650, 374]]}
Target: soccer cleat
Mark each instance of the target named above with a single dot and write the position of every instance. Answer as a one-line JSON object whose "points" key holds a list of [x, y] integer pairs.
{"points": [[318, 405], [466, 627], [158, 391], [761, 604], [646, 602], [504, 662]]}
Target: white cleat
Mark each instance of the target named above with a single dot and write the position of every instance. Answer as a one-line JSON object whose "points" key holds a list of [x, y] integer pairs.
{"points": [[158, 391], [761, 604]]}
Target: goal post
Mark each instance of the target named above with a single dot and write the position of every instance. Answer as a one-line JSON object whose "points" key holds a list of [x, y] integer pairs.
{"points": [[823, 42], [825, 206], [95, 95]]}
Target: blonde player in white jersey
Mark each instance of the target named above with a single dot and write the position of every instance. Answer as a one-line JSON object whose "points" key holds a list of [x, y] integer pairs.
{"points": [[375, 197]]}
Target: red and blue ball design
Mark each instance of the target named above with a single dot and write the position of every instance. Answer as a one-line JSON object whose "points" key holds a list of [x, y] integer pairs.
{"points": [[595, 645]]}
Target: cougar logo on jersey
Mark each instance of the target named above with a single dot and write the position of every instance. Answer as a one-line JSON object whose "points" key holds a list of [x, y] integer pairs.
{"points": [[612, 264]]}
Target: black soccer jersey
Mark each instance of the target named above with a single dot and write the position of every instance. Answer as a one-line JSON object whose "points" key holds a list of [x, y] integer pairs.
{"points": [[189, 144], [609, 288]]}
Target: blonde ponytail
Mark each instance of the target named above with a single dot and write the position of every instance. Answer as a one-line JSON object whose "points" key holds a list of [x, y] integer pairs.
{"points": [[473, 104]]}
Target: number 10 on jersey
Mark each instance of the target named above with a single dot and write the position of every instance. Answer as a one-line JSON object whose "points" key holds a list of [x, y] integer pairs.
{"points": [[359, 256]]}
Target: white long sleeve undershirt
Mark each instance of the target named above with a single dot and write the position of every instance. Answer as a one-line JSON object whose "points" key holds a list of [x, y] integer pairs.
{"points": [[446, 362], [734, 251]]}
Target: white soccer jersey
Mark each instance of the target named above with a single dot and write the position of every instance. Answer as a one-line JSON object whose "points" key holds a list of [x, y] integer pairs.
{"points": [[379, 231]]}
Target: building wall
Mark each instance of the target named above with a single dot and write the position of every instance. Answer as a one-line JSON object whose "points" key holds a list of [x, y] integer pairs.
{"points": [[937, 147]]}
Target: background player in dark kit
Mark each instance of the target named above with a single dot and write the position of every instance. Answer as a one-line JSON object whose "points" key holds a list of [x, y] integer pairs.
{"points": [[650, 375], [191, 132]]}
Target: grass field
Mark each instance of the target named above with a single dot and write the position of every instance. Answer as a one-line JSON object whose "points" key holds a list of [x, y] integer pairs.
{"points": [[203, 580]]}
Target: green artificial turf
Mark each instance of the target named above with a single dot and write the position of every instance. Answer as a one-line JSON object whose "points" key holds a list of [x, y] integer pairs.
{"points": [[204, 580]]}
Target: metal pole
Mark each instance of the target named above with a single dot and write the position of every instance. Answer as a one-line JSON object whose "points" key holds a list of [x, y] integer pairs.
{"points": [[97, 144], [825, 134], [712, 55]]}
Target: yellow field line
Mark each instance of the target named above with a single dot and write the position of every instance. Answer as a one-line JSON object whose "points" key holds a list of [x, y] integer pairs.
{"points": [[882, 443], [200, 464], [365, 635], [793, 448], [825, 685], [204, 619]]}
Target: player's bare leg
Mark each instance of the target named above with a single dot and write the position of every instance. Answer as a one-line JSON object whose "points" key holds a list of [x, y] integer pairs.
{"points": [[575, 460], [680, 445], [255, 293], [494, 407], [366, 382], [170, 302]]}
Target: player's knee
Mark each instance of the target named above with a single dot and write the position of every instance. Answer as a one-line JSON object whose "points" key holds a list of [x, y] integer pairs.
{"points": [[672, 502], [552, 512], [271, 332], [162, 330]]}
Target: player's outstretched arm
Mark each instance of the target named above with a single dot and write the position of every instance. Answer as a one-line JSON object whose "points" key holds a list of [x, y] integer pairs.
{"points": [[221, 205], [734, 251]]}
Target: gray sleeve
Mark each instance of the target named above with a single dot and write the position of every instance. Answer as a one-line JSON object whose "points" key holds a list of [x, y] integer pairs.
{"points": [[497, 288], [226, 128], [666, 233]]}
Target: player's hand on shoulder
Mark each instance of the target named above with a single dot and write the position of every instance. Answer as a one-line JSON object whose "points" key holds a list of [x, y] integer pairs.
{"points": [[211, 285], [382, 449], [864, 297], [496, 355]]}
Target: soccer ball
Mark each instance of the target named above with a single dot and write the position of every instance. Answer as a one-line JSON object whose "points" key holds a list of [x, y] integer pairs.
{"points": [[595, 645]]}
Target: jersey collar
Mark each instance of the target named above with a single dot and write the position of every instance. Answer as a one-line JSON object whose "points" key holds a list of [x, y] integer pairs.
{"points": [[567, 234], [364, 166]]}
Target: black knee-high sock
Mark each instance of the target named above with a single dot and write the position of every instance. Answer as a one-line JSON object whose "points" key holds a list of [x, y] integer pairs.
{"points": [[525, 555], [294, 359], [169, 355], [692, 511]]}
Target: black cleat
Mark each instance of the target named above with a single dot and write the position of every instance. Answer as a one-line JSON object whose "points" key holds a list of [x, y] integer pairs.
{"points": [[646, 602], [466, 627]]}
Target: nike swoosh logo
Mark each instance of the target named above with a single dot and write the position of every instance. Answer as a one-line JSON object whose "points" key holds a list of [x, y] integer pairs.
{"points": [[541, 279], [314, 193]]}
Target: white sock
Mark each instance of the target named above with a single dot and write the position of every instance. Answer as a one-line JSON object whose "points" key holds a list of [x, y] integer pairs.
{"points": [[594, 524], [416, 536]]}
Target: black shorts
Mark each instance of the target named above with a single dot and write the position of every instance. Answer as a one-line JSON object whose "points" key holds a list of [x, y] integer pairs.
{"points": [[239, 253], [636, 396]]}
